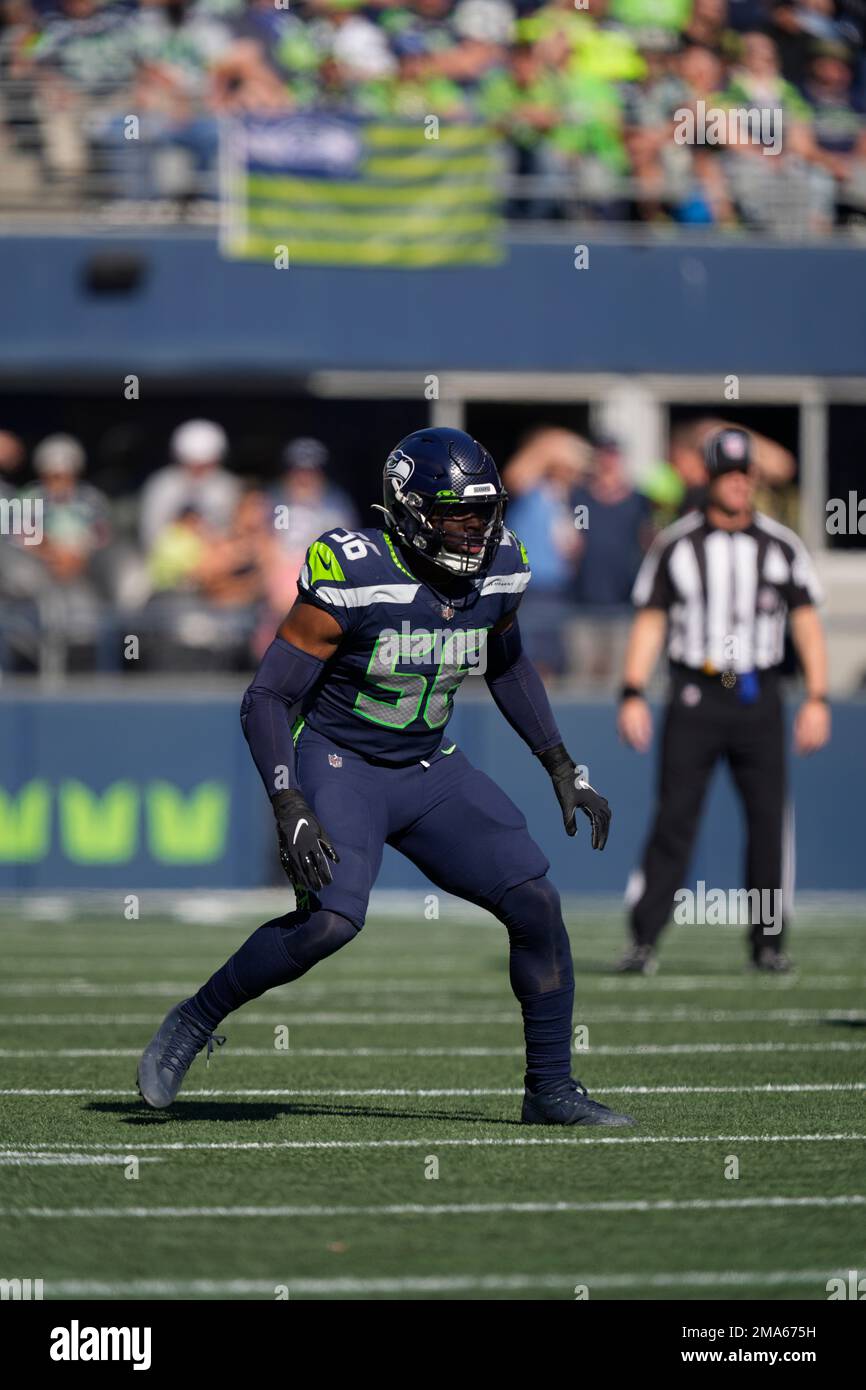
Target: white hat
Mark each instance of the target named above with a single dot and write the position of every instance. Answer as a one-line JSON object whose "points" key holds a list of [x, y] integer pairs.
{"points": [[58, 453], [486, 21], [359, 45], [199, 441]]}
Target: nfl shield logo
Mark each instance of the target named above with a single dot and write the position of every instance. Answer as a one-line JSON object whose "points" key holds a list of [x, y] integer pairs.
{"points": [[735, 445], [335, 760], [447, 611]]}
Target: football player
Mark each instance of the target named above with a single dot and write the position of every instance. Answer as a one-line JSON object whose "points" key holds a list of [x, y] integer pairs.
{"points": [[385, 628]]}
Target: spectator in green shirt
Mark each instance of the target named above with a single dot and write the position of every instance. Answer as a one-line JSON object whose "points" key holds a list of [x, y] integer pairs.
{"points": [[652, 14], [524, 101]]}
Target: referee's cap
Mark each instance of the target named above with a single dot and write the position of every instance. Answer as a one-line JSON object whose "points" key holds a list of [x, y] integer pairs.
{"points": [[728, 451]]}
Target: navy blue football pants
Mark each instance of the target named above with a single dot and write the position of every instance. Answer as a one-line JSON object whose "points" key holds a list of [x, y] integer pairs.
{"points": [[450, 819], [466, 836]]}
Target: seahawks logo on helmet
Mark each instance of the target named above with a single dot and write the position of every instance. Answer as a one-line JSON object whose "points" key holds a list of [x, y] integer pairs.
{"points": [[449, 471], [400, 467]]}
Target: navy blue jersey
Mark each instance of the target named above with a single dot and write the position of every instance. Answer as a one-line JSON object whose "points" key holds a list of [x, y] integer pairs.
{"points": [[388, 692]]}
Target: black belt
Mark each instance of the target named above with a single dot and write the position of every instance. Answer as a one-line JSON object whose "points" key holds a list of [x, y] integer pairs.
{"points": [[700, 675], [386, 762]]}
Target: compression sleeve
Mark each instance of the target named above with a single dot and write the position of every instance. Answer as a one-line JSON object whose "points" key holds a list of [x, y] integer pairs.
{"points": [[285, 676], [518, 691]]}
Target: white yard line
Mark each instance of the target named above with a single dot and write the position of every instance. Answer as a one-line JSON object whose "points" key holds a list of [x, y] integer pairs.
{"points": [[800, 980], [638, 1050], [391, 910], [61, 983], [329, 1092], [89, 989], [528, 1141], [584, 1014], [46, 1159], [439, 1283], [433, 1209]]}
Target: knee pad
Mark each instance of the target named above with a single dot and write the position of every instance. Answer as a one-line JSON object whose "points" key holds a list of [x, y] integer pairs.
{"points": [[534, 904], [540, 948], [308, 937], [284, 949]]}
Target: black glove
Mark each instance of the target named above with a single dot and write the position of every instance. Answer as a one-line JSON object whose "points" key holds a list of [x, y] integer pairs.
{"points": [[574, 793], [304, 846]]}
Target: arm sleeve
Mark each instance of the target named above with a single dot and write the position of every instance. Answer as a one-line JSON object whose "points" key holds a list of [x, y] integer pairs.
{"points": [[518, 691], [284, 677]]}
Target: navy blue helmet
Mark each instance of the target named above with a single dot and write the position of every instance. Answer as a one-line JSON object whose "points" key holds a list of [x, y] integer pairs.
{"points": [[432, 473]]}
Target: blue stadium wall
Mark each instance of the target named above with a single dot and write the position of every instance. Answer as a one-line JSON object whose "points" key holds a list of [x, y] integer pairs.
{"points": [[159, 793], [661, 308]]}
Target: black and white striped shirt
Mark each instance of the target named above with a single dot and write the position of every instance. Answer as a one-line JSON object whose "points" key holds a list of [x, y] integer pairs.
{"points": [[727, 593]]}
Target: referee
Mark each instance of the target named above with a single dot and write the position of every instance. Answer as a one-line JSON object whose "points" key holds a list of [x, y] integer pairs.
{"points": [[719, 586]]}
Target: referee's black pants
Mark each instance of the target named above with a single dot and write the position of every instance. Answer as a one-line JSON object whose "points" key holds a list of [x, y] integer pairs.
{"points": [[706, 722]]}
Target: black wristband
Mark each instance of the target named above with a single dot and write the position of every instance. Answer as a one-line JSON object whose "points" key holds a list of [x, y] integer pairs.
{"points": [[555, 760], [630, 692]]}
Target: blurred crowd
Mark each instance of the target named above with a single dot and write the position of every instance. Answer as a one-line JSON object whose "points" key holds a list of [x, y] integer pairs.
{"points": [[584, 93], [197, 574], [199, 585], [586, 524]]}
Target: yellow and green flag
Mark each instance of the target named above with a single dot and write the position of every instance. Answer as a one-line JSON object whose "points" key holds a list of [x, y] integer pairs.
{"points": [[324, 189]]}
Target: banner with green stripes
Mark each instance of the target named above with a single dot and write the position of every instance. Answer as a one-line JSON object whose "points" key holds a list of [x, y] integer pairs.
{"points": [[317, 188]]}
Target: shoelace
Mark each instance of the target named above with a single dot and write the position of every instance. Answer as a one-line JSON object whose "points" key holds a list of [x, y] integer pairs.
{"points": [[575, 1085], [214, 1040], [186, 1042]]}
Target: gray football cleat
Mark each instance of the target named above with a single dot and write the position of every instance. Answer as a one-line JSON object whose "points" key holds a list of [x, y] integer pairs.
{"points": [[637, 960], [568, 1104], [771, 961], [170, 1054]]}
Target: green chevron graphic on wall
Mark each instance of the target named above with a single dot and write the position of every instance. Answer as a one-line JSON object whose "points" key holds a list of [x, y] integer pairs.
{"points": [[187, 829], [25, 824], [106, 827]]}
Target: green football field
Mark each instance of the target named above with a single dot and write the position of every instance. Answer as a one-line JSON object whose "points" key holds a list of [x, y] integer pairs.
{"points": [[358, 1135]]}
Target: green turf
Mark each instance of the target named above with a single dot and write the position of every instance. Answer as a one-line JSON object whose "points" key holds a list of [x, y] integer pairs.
{"points": [[416, 990]]}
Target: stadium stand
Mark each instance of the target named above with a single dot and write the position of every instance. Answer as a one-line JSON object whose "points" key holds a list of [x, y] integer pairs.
{"points": [[123, 102]]}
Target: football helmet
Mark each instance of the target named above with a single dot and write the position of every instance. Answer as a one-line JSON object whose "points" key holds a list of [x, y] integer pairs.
{"points": [[432, 473]]}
